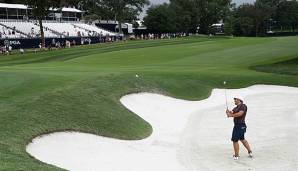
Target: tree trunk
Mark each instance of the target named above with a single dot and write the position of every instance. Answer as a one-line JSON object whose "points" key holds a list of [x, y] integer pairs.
{"points": [[119, 23], [120, 27], [257, 29], [43, 42]]}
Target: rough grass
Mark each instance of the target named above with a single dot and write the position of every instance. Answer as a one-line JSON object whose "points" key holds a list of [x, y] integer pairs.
{"points": [[79, 88]]}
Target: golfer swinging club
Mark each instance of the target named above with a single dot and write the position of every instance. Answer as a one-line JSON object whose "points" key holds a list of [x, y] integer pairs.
{"points": [[239, 113]]}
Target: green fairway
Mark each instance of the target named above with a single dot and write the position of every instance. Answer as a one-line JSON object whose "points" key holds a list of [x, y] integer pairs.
{"points": [[79, 88]]}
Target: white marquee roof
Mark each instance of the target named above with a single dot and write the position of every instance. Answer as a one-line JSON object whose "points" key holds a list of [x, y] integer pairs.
{"points": [[21, 6], [17, 6], [71, 10]]}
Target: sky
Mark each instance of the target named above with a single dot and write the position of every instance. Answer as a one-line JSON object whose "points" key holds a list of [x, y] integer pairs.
{"points": [[238, 2]]}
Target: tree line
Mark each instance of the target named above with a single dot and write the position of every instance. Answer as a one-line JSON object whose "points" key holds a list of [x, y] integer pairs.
{"points": [[245, 20], [264, 16], [188, 16]]}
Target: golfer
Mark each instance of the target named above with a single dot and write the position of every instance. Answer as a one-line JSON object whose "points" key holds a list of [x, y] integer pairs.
{"points": [[239, 113]]}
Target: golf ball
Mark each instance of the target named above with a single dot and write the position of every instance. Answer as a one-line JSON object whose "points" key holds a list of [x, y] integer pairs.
{"points": [[137, 76]]}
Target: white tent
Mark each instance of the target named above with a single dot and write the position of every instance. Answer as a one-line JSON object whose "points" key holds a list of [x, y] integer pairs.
{"points": [[21, 6]]}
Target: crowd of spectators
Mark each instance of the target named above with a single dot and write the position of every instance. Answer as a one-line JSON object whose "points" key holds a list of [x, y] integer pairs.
{"points": [[8, 33], [152, 36], [6, 49]]}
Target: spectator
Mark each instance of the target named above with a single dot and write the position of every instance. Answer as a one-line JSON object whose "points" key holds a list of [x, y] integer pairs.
{"points": [[22, 51], [3, 49], [67, 43], [6, 50], [62, 45], [53, 43], [58, 45], [32, 31]]}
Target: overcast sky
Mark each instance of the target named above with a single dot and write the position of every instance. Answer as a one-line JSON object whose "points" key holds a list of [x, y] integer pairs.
{"points": [[238, 2]]}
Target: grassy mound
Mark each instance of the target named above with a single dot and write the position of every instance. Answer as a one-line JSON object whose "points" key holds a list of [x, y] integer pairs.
{"points": [[289, 67], [79, 88]]}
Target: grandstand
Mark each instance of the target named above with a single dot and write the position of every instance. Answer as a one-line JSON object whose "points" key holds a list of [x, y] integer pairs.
{"points": [[7, 33], [17, 23], [26, 29]]}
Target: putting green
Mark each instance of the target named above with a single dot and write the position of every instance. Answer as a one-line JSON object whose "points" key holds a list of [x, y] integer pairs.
{"points": [[79, 88]]}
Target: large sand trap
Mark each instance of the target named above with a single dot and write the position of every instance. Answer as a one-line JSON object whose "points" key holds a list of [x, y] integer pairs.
{"points": [[187, 135]]}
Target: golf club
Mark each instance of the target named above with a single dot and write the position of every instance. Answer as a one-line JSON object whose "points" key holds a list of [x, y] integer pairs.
{"points": [[226, 94]]}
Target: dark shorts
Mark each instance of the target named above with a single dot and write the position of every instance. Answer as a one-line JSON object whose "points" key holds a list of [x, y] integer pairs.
{"points": [[238, 132]]}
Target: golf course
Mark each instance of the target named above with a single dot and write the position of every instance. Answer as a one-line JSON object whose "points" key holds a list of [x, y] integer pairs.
{"points": [[79, 89]]}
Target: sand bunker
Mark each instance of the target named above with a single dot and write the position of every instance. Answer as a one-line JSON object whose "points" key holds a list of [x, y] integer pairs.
{"points": [[187, 136]]}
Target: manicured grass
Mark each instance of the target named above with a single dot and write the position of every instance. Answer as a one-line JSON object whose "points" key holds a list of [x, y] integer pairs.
{"points": [[79, 88], [289, 67]]}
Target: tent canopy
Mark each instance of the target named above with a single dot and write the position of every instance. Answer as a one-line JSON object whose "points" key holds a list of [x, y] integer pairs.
{"points": [[21, 6]]}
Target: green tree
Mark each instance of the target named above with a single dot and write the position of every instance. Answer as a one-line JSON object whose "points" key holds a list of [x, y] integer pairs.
{"points": [[160, 19], [202, 13], [287, 14], [212, 11], [248, 16], [121, 10], [74, 3], [94, 10], [246, 26], [228, 24], [264, 10], [244, 23], [40, 9], [91, 17], [186, 15]]}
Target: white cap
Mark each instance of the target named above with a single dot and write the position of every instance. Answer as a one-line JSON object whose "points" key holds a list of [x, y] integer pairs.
{"points": [[239, 97]]}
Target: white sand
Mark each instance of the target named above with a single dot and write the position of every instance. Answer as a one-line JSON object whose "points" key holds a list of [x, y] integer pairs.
{"points": [[187, 135]]}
